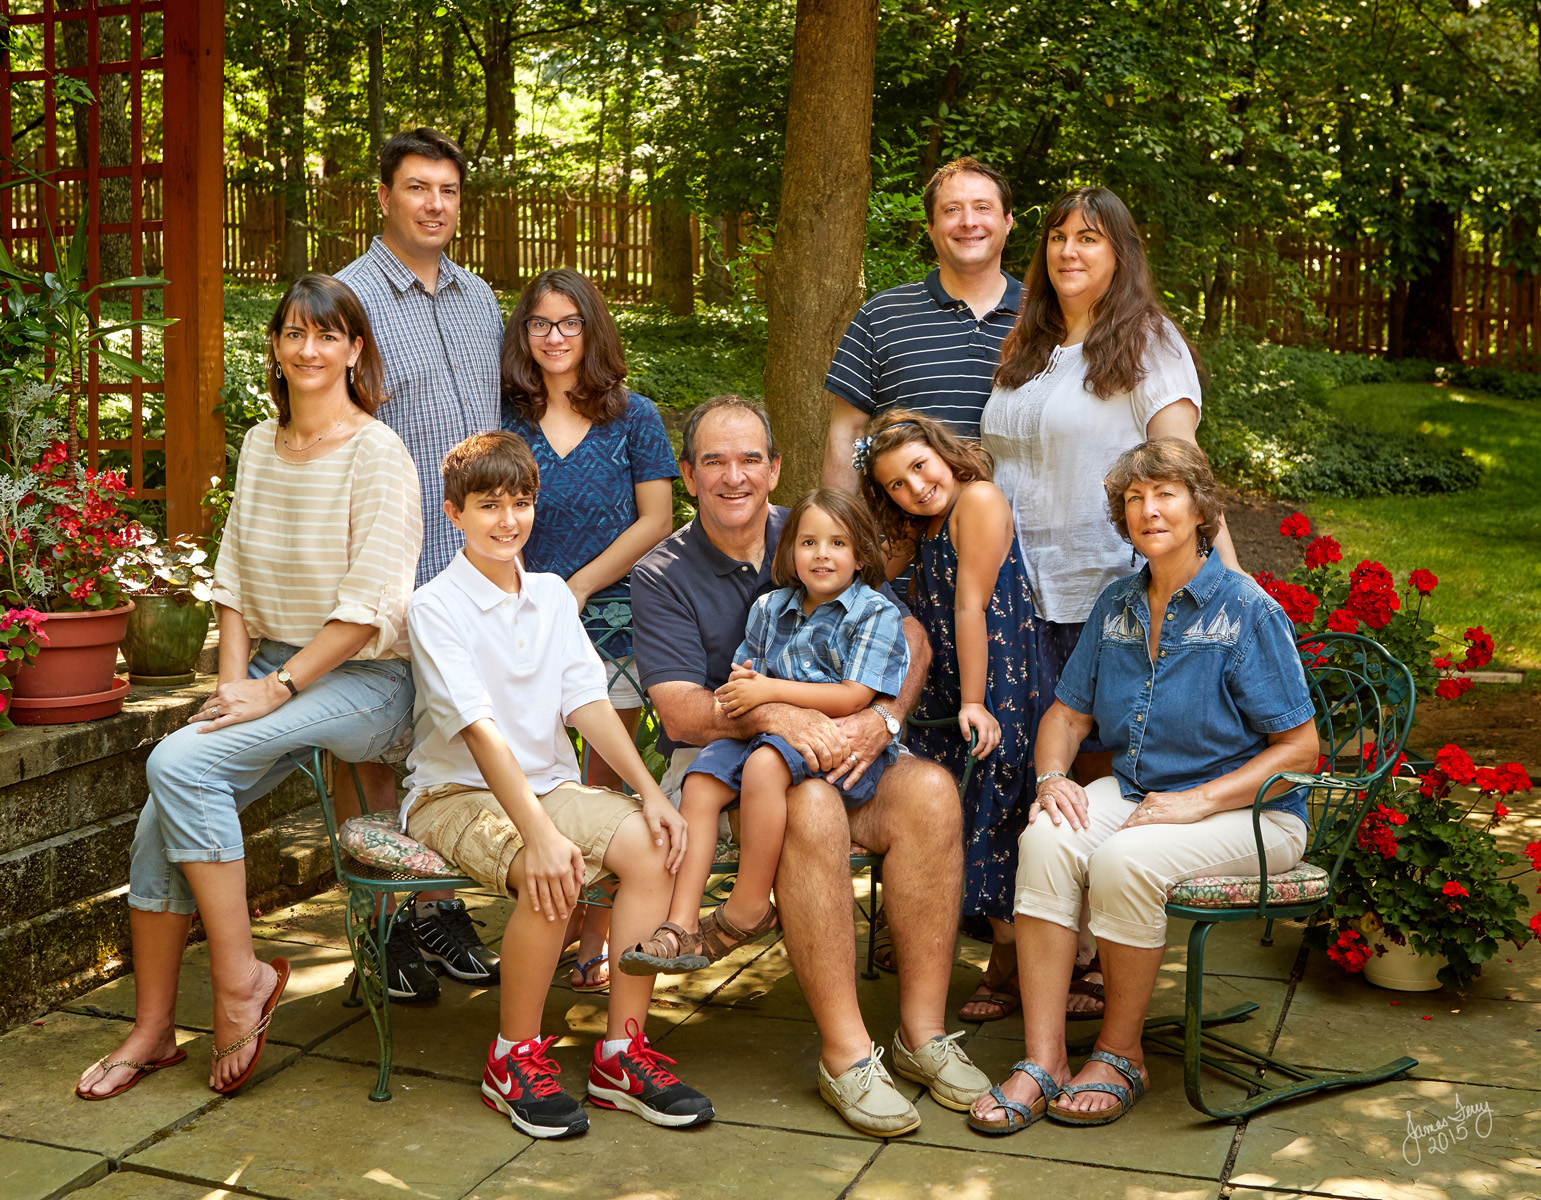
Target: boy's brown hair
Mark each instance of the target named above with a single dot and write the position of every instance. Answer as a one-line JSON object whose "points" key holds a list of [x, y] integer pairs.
{"points": [[498, 462], [852, 516]]}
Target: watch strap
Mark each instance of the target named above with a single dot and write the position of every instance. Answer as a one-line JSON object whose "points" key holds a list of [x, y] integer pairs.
{"points": [[282, 674]]}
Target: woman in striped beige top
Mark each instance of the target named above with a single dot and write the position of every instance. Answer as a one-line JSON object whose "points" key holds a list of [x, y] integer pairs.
{"points": [[311, 587]]}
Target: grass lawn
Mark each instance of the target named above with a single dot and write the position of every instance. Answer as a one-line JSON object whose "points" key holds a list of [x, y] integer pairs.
{"points": [[1483, 544]]}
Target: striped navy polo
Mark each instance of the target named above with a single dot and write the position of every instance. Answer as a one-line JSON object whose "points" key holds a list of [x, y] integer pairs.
{"points": [[917, 347]]}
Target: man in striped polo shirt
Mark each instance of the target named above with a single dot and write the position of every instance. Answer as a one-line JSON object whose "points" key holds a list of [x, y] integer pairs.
{"points": [[932, 345], [440, 335]]}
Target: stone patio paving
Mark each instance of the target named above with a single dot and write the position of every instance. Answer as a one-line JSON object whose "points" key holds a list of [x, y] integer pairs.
{"points": [[741, 1032]]}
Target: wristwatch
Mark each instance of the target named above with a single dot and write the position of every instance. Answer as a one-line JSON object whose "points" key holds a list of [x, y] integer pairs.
{"points": [[283, 677], [1048, 775], [890, 722]]}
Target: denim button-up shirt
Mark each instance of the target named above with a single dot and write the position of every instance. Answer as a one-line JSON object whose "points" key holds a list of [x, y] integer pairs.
{"points": [[1226, 675]]}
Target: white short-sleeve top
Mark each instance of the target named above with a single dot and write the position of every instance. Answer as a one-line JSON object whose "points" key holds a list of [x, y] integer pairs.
{"points": [[1053, 441]]}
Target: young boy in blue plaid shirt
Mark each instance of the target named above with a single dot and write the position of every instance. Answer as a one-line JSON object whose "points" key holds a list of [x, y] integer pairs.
{"points": [[825, 640]]}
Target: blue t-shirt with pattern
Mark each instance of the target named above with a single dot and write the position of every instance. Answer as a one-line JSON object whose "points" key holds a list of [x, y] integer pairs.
{"points": [[588, 499]]}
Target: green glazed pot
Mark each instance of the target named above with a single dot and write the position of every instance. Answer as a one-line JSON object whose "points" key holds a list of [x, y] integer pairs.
{"points": [[165, 635]]}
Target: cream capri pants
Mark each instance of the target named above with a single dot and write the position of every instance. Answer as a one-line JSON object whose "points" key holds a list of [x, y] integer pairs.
{"points": [[1127, 872]]}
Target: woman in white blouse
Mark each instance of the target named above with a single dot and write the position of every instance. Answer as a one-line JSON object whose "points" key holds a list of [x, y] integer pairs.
{"points": [[1093, 367], [311, 587]]}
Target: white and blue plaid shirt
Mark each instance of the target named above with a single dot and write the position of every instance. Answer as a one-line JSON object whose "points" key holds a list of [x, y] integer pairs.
{"points": [[441, 352]]}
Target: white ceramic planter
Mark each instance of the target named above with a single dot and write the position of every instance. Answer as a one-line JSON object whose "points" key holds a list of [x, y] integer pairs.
{"points": [[1401, 968]]}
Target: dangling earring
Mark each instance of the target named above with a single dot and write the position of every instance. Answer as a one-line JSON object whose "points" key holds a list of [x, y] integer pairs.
{"points": [[1133, 556], [1203, 546], [350, 376]]}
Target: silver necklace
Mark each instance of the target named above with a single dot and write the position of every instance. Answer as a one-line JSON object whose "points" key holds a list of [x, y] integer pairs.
{"points": [[317, 442]]}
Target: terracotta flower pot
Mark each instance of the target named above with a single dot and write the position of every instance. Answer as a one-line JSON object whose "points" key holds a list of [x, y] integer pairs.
{"points": [[165, 636], [65, 710], [80, 656]]}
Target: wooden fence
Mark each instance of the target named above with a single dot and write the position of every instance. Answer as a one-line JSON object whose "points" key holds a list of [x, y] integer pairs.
{"points": [[505, 236], [1497, 310]]}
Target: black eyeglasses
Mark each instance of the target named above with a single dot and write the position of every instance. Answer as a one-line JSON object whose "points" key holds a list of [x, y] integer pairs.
{"points": [[540, 327]]}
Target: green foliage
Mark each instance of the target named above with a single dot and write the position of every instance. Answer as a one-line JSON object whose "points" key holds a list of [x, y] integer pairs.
{"points": [[1267, 426], [243, 401], [677, 362], [1514, 385], [895, 212]]}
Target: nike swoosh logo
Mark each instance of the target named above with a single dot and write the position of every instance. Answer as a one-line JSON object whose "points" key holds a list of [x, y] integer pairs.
{"points": [[506, 1088], [623, 1083]]}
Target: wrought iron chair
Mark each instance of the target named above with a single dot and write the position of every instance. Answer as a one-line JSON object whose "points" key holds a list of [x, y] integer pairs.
{"points": [[368, 923], [1364, 709]]}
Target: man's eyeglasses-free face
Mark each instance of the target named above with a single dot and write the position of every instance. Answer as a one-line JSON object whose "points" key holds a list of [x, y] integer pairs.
{"points": [[540, 327]]}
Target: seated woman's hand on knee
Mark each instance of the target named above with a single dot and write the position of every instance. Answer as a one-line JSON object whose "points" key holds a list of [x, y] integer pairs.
{"points": [[1062, 801]]}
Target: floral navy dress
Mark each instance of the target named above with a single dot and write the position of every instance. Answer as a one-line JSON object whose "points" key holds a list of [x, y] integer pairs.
{"points": [[1000, 790]]}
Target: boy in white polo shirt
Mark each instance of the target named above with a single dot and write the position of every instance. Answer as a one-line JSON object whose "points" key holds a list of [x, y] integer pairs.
{"points": [[502, 665]]}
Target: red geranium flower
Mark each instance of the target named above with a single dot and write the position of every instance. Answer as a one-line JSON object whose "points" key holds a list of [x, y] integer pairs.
{"points": [[1479, 651], [1454, 889], [1499, 811], [1295, 526], [1349, 951], [1535, 924], [1423, 581], [1340, 620], [1456, 764], [1533, 852], [1322, 551], [1450, 688]]}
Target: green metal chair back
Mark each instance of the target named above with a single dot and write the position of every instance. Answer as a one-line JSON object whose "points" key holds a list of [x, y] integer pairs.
{"points": [[1365, 701]]}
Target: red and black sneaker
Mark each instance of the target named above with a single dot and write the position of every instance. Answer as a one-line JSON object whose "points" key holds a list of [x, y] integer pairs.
{"points": [[521, 1084], [637, 1080]]}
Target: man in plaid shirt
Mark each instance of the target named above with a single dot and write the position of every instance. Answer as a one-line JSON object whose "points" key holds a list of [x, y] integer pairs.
{"points": [[441, 335]]}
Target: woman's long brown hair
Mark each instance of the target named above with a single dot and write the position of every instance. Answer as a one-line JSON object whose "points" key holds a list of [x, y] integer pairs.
{"points": [[1125, 321], [600, 394]]}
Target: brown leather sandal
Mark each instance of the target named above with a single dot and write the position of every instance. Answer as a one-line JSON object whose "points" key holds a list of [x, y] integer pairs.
{"points": [[669, 951], [719, 936], [1081, 986]]}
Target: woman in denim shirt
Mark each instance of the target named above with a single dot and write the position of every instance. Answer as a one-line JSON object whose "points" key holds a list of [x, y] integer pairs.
{"points": [[1201, 705]]}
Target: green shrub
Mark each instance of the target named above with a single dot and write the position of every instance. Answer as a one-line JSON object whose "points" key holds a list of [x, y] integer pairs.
{"points": [[1513, 385], [677, 362], [1267, 427]]}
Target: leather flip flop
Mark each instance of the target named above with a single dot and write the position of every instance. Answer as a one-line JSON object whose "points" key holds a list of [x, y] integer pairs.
{"points": [[259, 1032], [140, 1071]]}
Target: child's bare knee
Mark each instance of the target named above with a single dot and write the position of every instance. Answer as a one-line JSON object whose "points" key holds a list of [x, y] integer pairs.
{"points": [[632, 849], [766, 767]]}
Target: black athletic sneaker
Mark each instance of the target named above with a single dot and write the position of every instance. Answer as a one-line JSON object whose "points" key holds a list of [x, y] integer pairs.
{"points": [[637, 1080], [522, 1086], [447, 937], [407, 976]]}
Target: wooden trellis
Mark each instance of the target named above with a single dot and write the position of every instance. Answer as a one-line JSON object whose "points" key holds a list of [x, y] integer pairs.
{"points": [[159, 189]]}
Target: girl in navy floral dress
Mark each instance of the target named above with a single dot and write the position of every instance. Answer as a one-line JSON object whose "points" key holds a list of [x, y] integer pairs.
{"points": [[931, 494], [606, 493]]}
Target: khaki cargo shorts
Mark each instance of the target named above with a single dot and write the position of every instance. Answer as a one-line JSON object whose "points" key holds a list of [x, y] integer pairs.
{"points": [[468, 826]]}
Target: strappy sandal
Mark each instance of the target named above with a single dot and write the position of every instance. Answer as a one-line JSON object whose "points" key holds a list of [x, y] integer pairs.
{"points": [[670, 951], [1006, 997], [581, 975], [257, 1033], [1018, 1116], [1081, 986], [140, 1071], [1126, 1096], [883, 957], [720, 937]]}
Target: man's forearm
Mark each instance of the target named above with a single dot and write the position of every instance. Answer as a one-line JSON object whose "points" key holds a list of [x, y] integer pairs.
{"points": [[691, 716], [920, 663]]}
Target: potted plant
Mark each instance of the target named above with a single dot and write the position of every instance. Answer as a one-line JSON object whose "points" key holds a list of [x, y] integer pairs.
{"points": [[21, 635], [1422, 891], [62, 532], [172, 604]]}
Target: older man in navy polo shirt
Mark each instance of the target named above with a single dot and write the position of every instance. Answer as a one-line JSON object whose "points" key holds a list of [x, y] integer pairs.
{"points": [[932, 345], [690, 599]]}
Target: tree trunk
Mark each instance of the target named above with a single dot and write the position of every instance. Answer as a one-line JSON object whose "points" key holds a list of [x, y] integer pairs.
{"points": [[944, 99], [296, 259], [815, 272], [673, 263], [498, 77], [1214, 299], [716, 284], [376, 86], [1428, 322]]}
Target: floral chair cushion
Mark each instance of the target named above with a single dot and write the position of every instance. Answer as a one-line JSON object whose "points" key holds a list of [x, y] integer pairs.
{"points": [[377, 839], [1298, 885]]}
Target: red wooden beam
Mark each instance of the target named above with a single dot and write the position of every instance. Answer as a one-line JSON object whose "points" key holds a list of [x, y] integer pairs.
{"points": [[194, 208]]}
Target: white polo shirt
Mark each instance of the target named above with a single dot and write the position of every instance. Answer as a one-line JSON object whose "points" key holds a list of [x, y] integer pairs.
{"points": [[477, 651]]}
